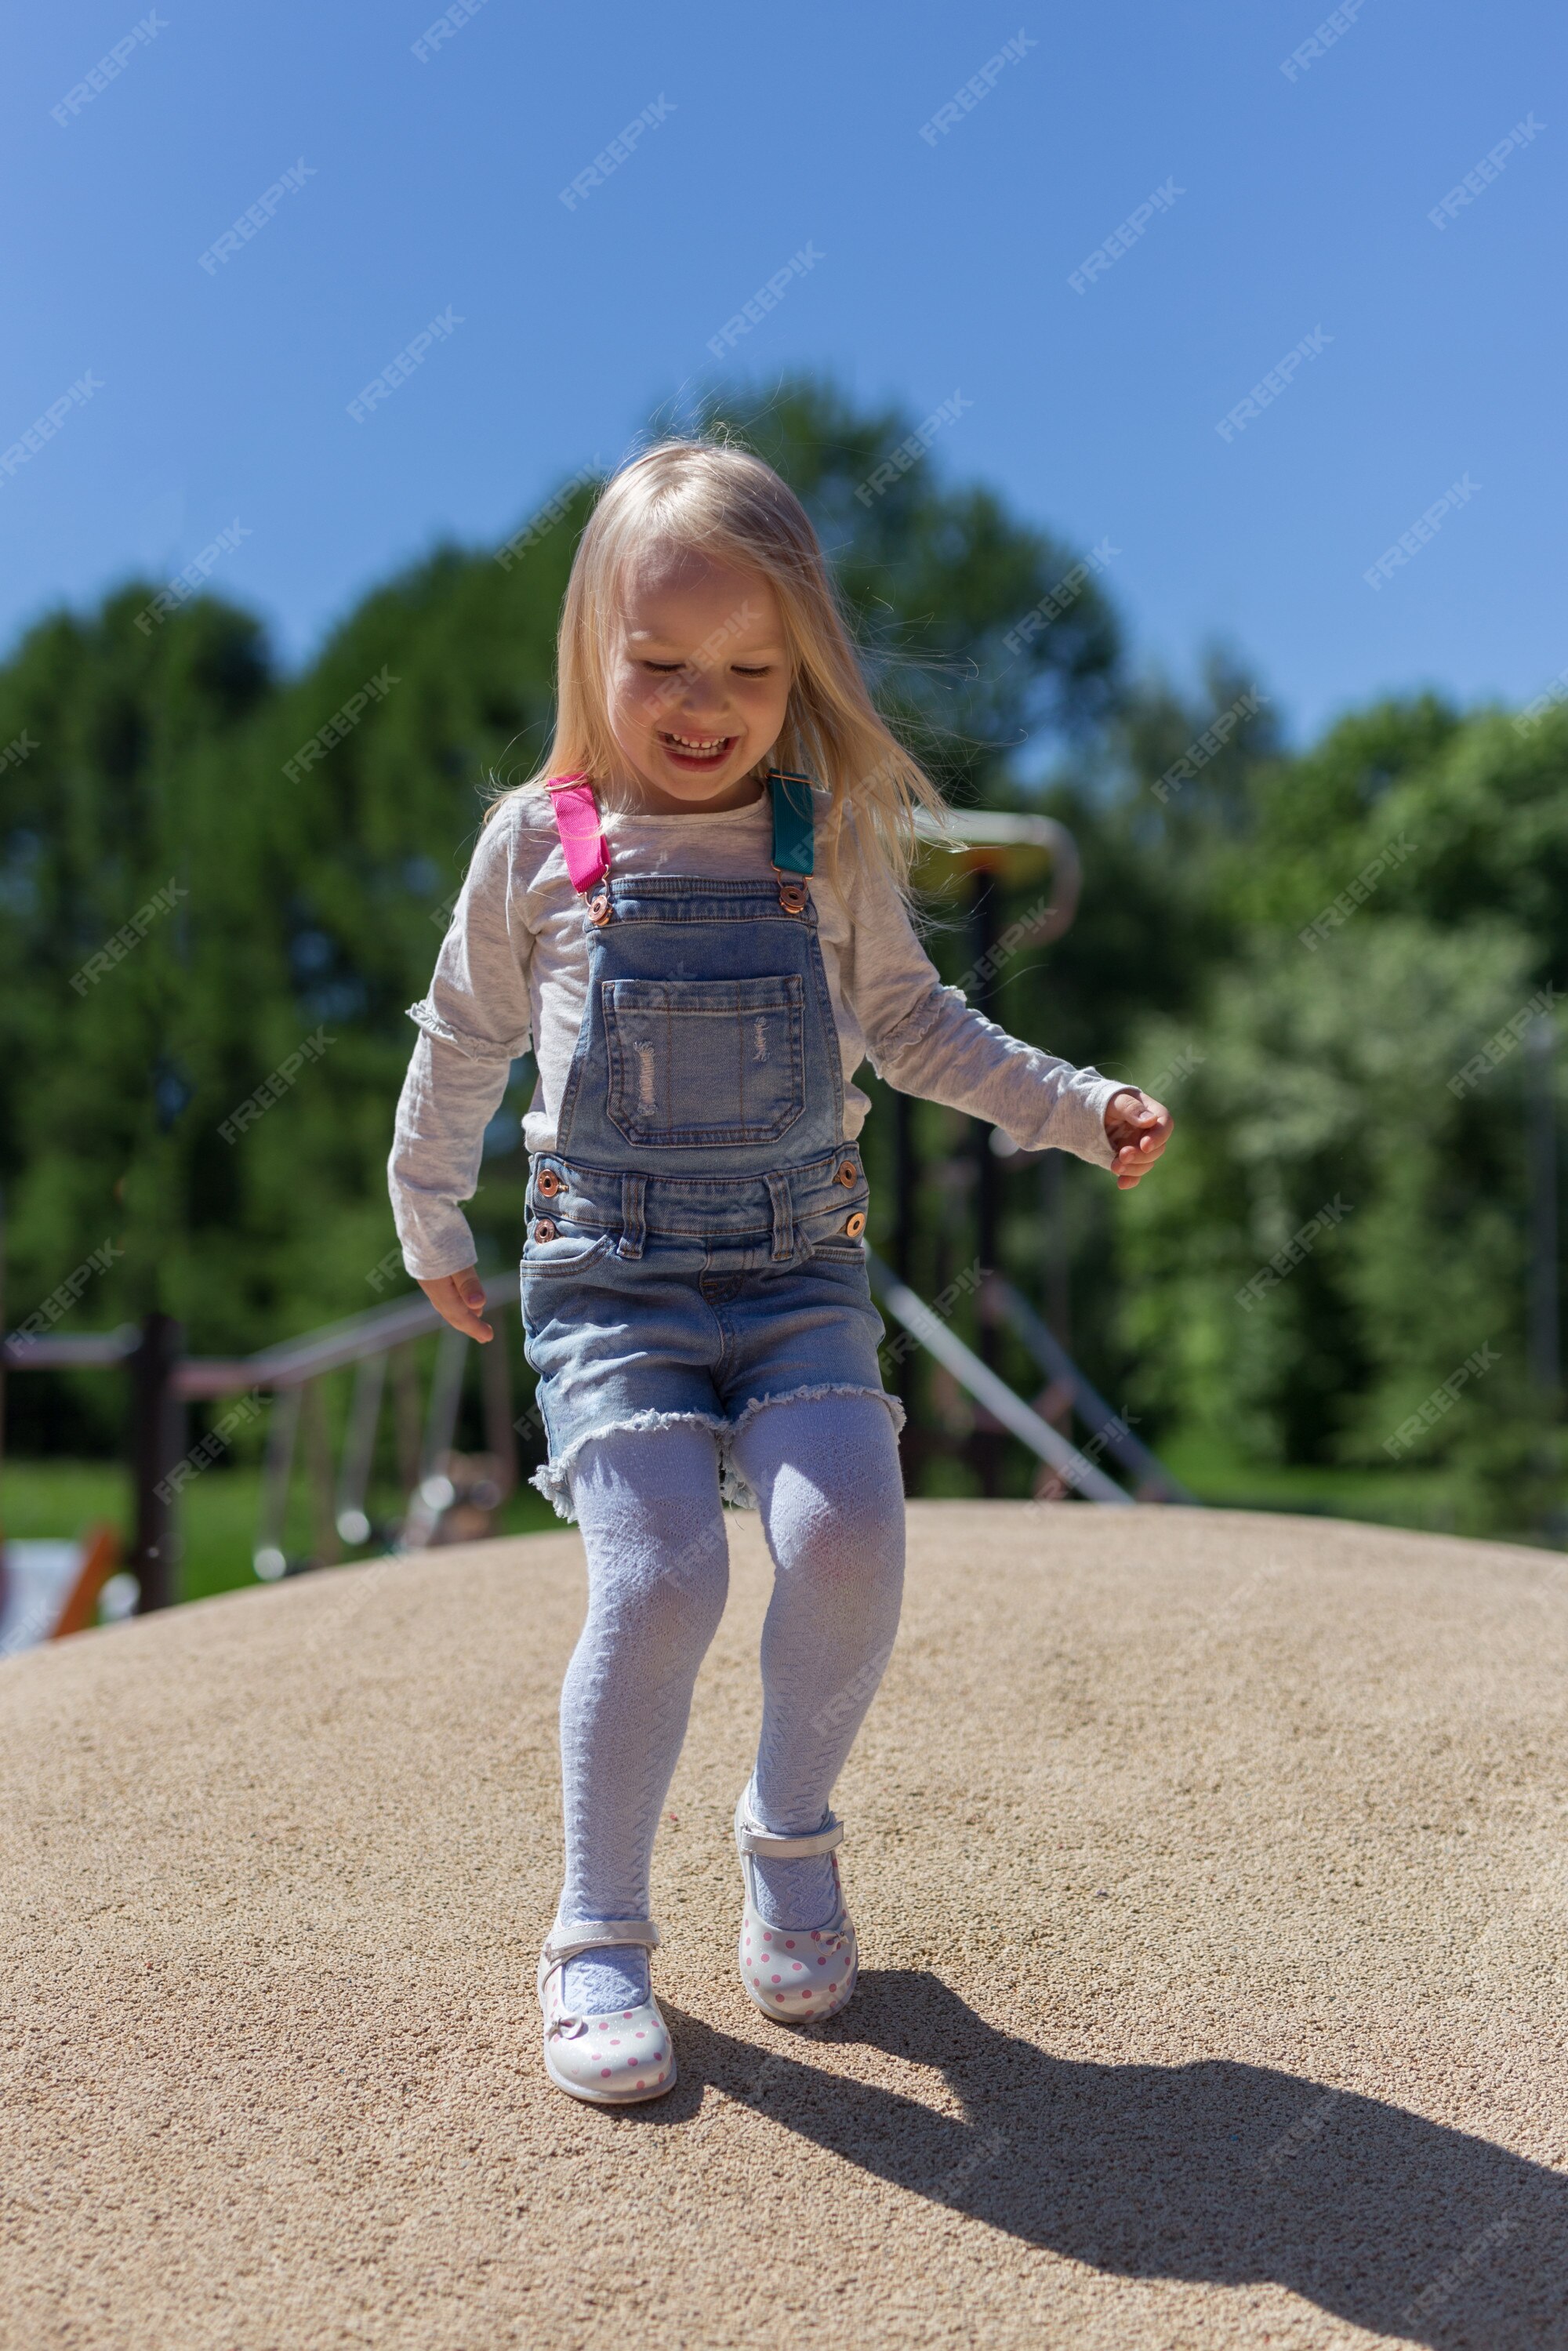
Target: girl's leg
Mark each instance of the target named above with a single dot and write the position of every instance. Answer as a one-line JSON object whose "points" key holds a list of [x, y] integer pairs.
{"points": [[658, 1572], [825, 1472]]}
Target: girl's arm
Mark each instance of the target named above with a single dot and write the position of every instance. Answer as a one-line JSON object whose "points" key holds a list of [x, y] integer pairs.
{"points": [[476, 1021], [927, 1040]]}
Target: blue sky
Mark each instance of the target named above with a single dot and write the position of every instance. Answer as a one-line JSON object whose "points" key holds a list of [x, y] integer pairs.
{"points": [[1296, 211]]}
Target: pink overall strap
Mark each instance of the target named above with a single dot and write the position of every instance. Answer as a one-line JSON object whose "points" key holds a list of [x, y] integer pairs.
{"points": [[583, 844]]}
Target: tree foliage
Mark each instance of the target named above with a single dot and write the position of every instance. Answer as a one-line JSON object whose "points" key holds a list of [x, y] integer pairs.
{"points": [[299, 840]]}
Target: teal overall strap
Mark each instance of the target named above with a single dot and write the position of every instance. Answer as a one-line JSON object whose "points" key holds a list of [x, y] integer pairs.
{"points": [[794, 837]]}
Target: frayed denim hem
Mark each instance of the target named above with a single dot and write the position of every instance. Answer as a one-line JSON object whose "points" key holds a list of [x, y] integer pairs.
{"points": [[554, 1481]]}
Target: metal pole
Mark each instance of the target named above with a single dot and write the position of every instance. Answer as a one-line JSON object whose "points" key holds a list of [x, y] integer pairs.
{"points": [[158, 1440], [358, 1449], [496, 1386], [318, 1473], [2, 1363], [988, 1446], [1544, 1333], [905, 1182], [988, 1389]]}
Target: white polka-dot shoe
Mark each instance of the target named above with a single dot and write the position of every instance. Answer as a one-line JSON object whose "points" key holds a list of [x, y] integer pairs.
{"points": [[796, 1975], [611, 2060]]}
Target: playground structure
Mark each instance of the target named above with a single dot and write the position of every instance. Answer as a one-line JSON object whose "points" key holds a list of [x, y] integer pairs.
{"points": [[444, 1496], [447, 1496]]}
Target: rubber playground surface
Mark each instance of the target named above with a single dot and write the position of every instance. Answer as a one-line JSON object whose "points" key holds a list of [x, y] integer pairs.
{"points": [[1211, 1875]]}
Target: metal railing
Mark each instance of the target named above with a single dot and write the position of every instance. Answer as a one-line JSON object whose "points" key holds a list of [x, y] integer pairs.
{"points": [[379, 1345]]}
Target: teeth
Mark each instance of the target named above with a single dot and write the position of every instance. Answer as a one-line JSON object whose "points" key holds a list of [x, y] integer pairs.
{"points": [[693, 743]]}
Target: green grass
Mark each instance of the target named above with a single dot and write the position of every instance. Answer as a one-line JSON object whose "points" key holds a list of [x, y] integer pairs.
{"points": [[1421, 1499], [218, 1509], [218, 1515]]}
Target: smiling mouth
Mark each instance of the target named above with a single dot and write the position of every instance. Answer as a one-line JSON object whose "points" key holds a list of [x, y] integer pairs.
{"points": [[696, 750]]}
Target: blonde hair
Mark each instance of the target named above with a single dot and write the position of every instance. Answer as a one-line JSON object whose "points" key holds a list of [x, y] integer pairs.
{"points": [[727, 502]]}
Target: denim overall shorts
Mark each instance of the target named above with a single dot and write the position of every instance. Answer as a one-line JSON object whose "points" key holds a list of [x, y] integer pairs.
{"points": [[693, 1249]]}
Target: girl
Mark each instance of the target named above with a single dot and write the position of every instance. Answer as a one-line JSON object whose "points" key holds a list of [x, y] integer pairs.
{"points": [[696, 916]]}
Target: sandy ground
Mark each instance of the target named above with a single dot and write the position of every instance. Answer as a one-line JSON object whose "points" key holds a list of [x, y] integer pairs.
{"points": [[1212, 1890]]}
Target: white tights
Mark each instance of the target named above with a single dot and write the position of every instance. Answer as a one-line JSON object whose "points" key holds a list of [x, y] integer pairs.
{"points": [[825, 1472]]}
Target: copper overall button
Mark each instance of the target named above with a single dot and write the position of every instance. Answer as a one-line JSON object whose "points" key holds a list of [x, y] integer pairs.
{"points": [[549, 1184], [847, 1173], [545, 1231], [855, 1226]]}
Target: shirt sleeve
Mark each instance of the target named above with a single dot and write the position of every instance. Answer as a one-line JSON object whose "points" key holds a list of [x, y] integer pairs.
{"points": [[447, 1100], [478, 998], [476, 1022], [930, 1041]]}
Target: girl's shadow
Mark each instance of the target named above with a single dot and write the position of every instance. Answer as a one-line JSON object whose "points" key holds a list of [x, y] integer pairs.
{"points": [[1216, 2171]]}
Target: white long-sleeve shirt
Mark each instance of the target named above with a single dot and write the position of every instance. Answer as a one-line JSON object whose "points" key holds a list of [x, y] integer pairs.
{"points": [[512, 975]]}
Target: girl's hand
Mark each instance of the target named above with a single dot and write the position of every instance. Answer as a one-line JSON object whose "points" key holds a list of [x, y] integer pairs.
{"points": [[459, 1299], [1138, 1129]]}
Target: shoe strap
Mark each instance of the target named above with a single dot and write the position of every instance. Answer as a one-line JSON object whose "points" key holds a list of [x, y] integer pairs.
{"points": [[750, 1838], [570, 1937]]}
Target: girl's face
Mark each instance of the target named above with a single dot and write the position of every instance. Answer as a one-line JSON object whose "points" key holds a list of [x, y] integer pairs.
{"points": [[699, 678]]}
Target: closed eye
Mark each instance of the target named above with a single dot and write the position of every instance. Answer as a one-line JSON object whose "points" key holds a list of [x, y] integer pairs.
{"points": [[763, 671]]}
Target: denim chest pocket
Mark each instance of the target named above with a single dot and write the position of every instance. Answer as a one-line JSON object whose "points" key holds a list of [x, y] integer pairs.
{"points": [[703, 1062]]}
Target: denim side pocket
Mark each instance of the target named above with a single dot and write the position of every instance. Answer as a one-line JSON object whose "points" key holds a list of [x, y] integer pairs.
{"points": [[568, 1253]]}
